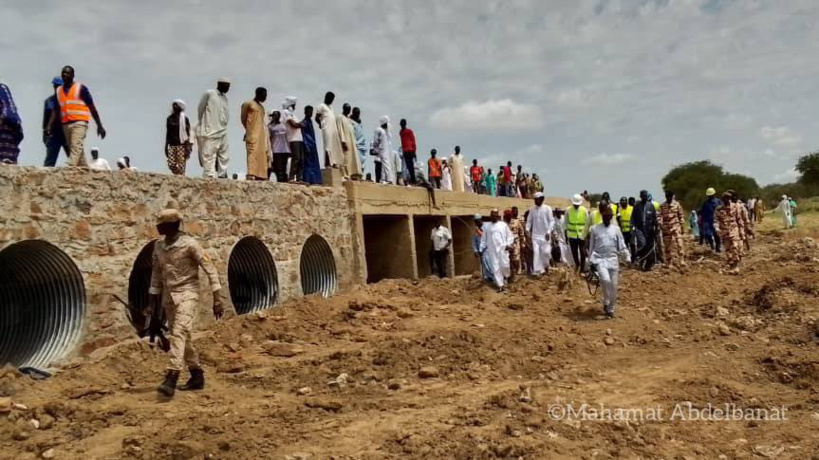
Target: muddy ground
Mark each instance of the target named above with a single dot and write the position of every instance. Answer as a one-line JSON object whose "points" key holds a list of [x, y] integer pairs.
{"points": [[451, 369]]}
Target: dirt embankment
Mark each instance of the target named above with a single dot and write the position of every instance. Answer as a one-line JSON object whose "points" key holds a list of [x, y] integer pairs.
{"points": [[451, 369]]}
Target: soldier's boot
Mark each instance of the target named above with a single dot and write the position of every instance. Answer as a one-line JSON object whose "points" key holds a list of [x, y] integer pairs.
{"points": [[196, 382], [168, 387]]}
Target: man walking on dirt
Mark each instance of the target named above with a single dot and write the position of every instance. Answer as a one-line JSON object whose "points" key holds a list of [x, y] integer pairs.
{"points": [[175, 287], [539, 227], [644, 231], [496, 243], [729, 233], [606, 246], [672, 226]]}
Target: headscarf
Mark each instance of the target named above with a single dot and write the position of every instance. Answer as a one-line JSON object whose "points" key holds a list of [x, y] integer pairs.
{"points": [[289, 102], [183, 133], [385, 120], [122, 163]]}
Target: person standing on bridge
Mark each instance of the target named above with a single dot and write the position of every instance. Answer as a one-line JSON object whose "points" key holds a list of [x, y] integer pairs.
{"points": [[175, 288], [257, 141], [456, 164], [211, 132], [75, 110]]}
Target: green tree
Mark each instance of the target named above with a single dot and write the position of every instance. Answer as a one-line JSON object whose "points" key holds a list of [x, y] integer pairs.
{"points": [[808, 167], [690, 181]]}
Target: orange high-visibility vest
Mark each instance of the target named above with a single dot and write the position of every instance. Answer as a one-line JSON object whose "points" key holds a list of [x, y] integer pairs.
{"points": [[72, 107]]}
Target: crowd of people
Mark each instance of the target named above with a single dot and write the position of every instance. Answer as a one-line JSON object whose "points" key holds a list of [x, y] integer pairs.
{"points": [[280, 145], [640, 231]]}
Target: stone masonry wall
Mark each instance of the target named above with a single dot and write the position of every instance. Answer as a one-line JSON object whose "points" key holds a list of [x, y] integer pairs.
{"points": [[103, 219]]}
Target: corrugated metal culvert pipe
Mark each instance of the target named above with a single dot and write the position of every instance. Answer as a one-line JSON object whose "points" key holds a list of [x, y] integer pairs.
{"points": [[317, 267], [252, 276], [42, 304]]}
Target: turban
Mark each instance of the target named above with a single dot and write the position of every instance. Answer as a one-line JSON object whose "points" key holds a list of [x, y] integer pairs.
{"points": [[167, 216]]}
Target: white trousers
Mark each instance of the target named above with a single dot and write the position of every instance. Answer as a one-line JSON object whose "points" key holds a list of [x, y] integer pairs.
{"points": [[608, 282], [542, 250], [214, 156]]}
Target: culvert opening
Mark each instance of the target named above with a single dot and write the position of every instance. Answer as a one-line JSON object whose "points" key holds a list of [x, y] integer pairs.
{"points": [[139, 283], [42, 304], [318, 267], [387, 247], [463, 230], [252, 276]]}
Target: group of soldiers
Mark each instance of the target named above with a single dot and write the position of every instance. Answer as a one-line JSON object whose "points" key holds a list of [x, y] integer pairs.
{"points": [[735, 227]]}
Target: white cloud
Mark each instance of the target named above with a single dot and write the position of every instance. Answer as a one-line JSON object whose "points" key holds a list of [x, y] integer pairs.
{"points": [[781, 136], [607, 159], [786, 176], [493, 114]]}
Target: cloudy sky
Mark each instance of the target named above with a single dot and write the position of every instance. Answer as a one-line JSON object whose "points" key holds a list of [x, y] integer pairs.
{"points": [[592, 94]]}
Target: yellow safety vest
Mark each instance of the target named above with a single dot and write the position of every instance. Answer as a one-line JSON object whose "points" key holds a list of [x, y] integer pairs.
{"points": [[576, 224], [625, 218]]}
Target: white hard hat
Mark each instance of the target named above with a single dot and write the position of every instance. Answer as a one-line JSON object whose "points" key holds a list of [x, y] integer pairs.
{"points": [[577, 200]]}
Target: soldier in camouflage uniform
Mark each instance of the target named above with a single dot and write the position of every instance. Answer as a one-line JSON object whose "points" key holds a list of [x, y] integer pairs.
{"points": [[520, 236], [747, 226], [672, 224], [729, 232], [175, 288]]}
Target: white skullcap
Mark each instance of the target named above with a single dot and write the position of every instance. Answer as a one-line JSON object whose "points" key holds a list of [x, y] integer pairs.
{"points": [[291, 100], [95, 149], [384, 120], [180, 103], [224, 80], [539, 195]]}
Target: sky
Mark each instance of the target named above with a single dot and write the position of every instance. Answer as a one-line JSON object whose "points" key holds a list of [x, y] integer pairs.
{"points": [[590, 94]]}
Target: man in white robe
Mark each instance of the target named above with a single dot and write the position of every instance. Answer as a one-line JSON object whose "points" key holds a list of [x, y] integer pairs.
{"points": [[333, 152], [606, 246], [382, 148], [539, 227], [456, 164], [211, 131], [496, 242], [785, 207]]}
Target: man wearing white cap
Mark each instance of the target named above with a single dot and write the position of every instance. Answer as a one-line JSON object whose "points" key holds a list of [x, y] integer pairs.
{"points": [[97, 163], [539, 227], [576, 217], [496, 243], [295, 139], [382, 149], [211, 132]]}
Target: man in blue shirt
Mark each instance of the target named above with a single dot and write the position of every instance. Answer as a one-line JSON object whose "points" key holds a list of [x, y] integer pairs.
{"points": [[53, 138]]}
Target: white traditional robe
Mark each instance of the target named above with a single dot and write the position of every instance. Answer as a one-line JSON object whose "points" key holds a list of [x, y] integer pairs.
{"points": [[785, 207], [539, 226], [446, 178], [330, 135], [494, 241], [606, 246], [382, 146], [211, 133], [456, 162]]}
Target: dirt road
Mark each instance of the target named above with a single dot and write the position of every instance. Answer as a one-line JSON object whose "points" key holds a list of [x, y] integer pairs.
{"points": [[451, 369]]}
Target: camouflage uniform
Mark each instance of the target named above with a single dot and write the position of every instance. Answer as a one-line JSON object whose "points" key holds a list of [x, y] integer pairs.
{"points": [[729, 233], [175, 275], [672, 224], [747, 224], [515, 258]]}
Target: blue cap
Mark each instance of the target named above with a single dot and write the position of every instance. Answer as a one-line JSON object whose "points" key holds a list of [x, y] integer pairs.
{"points": [[57, 81]]}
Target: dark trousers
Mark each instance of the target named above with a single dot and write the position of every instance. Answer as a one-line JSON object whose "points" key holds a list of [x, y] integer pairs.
{"points": [[578, 249], [435, 181], [53, 145], [439, 262], [296, 161], [409, 159], [377, 172], [631, 249], [280, 166], [648, 254]]}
